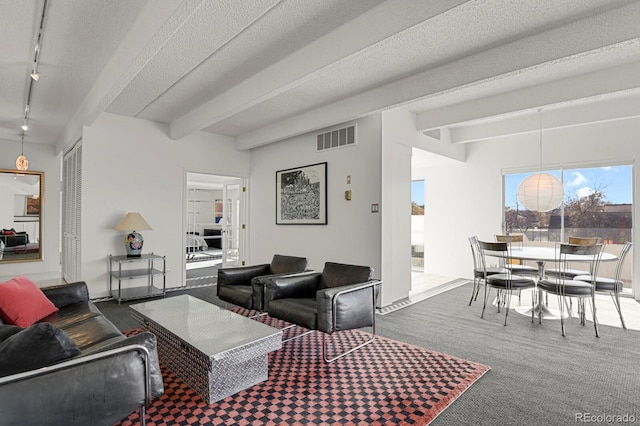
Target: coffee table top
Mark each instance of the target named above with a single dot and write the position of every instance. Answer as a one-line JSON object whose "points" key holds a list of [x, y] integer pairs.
{"points": [[212, 330]]}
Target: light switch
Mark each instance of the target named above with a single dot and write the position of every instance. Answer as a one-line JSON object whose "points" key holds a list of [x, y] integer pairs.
{"points": [[375, 208], [347, 195], [349, 179]]}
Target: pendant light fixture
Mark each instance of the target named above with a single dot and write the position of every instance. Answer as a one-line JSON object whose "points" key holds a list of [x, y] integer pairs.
{"points": [[541, 192], [22, 163]]}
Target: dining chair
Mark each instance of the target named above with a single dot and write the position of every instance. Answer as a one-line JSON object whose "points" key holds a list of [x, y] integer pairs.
{"points": [[505, 282], [613, 286], [564, 286], [570, 272], [478, 269], [516, 266]]}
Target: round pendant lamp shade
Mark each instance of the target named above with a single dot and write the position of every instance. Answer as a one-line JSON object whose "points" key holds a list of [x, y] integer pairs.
{"points": [[541, 192]]}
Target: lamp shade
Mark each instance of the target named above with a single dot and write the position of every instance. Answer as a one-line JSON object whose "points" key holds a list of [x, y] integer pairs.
{"points": [[133, 221], [541, 192]]}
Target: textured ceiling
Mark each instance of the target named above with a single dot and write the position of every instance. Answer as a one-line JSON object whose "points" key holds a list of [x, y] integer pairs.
{"points": [[264, 70]]}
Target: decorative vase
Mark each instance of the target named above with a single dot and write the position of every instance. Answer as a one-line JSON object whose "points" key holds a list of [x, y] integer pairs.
{"points": [[133, 242]]}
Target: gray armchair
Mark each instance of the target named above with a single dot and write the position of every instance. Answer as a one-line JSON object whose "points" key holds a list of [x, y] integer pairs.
{"points": [[342, 297], [243, 286]]}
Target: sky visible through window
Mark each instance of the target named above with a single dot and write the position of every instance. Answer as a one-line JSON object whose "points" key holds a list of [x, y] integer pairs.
{"points": [[417, 192], [614, 182]]}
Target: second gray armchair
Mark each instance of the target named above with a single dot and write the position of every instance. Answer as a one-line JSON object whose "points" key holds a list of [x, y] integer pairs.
{"points": [[243, 286]]}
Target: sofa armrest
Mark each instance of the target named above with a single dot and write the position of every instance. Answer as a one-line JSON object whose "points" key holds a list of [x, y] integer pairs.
{"points": [[347, 307], [100, 388], [67, 294], [292, 286], [149, 342], [241, 275]]}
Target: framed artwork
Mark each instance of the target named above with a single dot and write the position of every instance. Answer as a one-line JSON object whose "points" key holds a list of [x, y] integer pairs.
{"points": [[301, 195], [32, 206]]}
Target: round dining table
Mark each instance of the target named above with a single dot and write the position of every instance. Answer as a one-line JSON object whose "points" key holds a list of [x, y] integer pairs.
{"points": [[541, 255]]}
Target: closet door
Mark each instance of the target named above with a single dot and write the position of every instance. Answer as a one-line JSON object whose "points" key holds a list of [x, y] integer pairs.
{"points": [[71, 213]]}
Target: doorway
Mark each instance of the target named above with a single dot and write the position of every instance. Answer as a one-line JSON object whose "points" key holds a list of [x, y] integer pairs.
{"points": [[423, 279], [214, 226]]}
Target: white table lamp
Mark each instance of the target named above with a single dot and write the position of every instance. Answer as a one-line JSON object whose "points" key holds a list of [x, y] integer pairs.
{"points": [[133, 222]]}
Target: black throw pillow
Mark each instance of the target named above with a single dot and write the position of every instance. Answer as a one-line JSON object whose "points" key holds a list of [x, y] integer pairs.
{"points": [[8, 330], [34, 347]]}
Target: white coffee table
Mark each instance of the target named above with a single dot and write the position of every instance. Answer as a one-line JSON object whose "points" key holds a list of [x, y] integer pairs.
{"points": [[215, 351]]}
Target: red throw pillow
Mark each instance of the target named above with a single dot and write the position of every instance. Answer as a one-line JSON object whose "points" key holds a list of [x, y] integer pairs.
{"points": [[6, 232], [22, 303]]}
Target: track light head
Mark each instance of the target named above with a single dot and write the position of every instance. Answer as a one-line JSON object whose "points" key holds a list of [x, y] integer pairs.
{"points": [[35, 76], [25, 127]]}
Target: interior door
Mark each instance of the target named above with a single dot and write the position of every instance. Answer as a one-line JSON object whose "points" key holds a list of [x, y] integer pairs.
{"points": [[71, 206], [233, 224]]}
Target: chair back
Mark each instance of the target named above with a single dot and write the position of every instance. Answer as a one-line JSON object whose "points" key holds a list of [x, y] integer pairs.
{"points": [[566, 253], [281, 264], [339, 274], [516, 240], [584, 240], [498, 250], [475, 252], [621, 257]]}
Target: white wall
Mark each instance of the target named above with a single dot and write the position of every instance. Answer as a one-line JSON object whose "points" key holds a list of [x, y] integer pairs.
{"points": [[42, 158], [352, 234], [465, 199], [398, 136], [131, 165]]}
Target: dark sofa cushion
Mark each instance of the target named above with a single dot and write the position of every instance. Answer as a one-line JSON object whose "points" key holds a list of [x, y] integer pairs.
{"points": [[72, 314], [7, 331], [34, 347], [93, 331]]}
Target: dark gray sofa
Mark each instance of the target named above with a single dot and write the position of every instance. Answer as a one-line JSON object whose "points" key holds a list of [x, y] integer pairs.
{"points": [[109, 377]]}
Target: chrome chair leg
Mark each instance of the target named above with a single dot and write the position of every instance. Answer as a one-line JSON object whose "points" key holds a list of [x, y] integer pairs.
{"points": [[616, 301], [474, 291], [484, 305], [508, 295], [595, 318], [561, 315], [143, 415], [355, 348], [533, 303]]}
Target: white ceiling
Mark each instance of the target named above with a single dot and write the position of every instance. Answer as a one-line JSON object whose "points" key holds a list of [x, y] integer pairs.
{"points": [[264, 70]]}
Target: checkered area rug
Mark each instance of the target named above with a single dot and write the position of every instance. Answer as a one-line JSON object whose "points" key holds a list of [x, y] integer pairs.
{"points": [[385, 382]]}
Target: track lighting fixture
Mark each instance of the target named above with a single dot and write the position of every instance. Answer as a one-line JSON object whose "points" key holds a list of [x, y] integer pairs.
{"points": [[33, 76]]}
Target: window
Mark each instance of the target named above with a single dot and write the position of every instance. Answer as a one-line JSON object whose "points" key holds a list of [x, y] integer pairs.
{"points": [[598, 202], [417, 224]]}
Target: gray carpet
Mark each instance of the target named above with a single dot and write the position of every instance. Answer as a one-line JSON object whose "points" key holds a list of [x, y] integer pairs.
{"points": [[537, 377], [198, 277]]}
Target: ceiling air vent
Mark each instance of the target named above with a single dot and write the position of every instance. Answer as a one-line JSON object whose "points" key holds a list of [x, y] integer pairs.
{"points": [[337, 138]]}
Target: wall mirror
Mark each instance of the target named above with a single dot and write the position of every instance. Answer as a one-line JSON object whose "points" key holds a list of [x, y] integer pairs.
{"points": [[20, 215]]}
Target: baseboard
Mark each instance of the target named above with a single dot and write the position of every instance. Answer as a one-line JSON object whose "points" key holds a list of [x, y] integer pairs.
{"points": [[403, 303]]}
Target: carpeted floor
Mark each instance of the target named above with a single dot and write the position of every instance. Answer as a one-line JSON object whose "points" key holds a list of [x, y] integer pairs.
{"points": [[198, 277], [537, 376], [385, 382]]}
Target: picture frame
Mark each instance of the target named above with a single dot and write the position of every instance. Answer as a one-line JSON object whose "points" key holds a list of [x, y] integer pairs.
{"points": [[32, 206], [301, 195]]}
